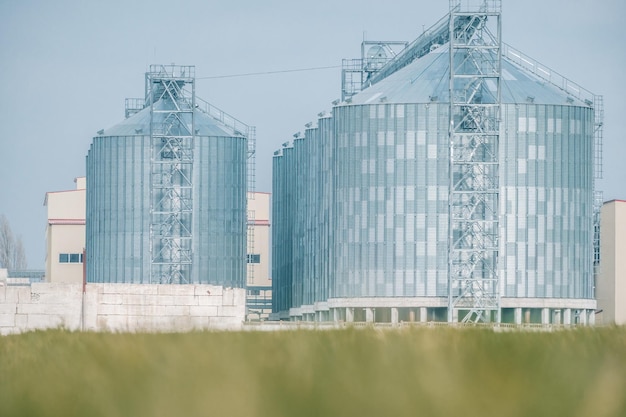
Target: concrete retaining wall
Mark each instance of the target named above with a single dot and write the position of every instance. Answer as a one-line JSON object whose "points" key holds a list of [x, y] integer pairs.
{"points": [[120, 307]]}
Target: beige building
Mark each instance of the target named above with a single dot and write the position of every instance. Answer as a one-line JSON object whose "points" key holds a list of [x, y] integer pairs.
{"points": [[65, 233], [611, 280], [259, 283]]}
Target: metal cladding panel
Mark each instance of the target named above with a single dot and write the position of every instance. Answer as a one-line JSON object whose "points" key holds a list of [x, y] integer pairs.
{"points": [[361, 203], [324, 216], [118, 210], [546, 183], [220, 211], [118, 221], [391, 200], [282, 231]]}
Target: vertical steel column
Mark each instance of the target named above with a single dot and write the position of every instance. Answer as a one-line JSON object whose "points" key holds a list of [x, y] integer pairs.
{"points": [[172, 131], [474, 132]]}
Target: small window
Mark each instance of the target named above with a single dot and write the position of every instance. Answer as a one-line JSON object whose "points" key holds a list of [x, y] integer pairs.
{"points": [[74, 258], [254, 258]]}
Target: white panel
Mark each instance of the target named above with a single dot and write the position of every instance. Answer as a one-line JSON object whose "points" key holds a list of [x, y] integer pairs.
{"points": [[420, 248], [521, 122], [421, 137], [410, 193], [432, 193], [381, 138], [532, 124], [541, 152], [410, 149], [432, 151], [399, 249], [399, 151]]}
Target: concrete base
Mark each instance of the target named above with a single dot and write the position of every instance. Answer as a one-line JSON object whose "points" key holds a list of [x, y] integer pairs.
{"points": [[394, 310]]}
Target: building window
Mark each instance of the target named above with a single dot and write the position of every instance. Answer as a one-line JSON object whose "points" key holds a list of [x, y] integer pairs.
{"points": [[72, 258], [254, 258]]}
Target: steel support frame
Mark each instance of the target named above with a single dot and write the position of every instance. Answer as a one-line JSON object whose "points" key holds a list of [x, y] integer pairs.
{"points": [[598, 111], [474, 135], [170, 93], [356, 73]]}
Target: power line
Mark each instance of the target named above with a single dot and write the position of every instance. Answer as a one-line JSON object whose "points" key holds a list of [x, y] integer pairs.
{"points": [[267, 72]]}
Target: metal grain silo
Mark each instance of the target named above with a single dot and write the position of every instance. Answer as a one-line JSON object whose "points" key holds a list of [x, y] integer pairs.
{"points": [[462, 187], [166, 190]]}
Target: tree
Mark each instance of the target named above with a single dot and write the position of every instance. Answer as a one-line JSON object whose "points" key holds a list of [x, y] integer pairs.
{"points": [[19, 255], [11, 250]]}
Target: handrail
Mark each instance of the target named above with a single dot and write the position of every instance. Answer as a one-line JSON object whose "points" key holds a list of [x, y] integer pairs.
{"points": [[223, 117], [547, 74]]}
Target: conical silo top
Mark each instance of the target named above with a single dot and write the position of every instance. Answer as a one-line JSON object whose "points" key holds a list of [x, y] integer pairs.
{"points": [[426, 80]]}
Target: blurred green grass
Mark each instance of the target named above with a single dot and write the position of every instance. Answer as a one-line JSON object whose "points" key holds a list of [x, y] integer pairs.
{"points": [[349, 372]]}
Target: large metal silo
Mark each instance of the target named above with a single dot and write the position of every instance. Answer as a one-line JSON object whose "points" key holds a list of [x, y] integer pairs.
{"points": [[166, 190], [458, 183]]}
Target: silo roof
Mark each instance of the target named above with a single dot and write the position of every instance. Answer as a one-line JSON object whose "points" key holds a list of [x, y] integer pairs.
{"points": [[139, 124], [427, 80]]}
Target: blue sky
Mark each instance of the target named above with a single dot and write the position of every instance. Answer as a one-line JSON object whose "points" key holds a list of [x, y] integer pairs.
{"points": [[66, 67]]}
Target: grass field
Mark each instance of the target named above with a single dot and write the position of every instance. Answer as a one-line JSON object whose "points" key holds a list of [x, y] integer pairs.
{"points": [[352, 372]]}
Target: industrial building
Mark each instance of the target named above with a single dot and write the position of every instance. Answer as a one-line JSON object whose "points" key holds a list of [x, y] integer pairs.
{"points": [[453, 181], [166, 189], [65, 234], [611, 277], [259, 282]]}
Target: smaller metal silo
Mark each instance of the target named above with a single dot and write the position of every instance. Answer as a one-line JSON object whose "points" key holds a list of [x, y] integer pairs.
{"points": [[166, 190]]}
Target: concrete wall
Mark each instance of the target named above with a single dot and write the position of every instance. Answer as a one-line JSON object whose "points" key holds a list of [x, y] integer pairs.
{"points": [[120, 307]]}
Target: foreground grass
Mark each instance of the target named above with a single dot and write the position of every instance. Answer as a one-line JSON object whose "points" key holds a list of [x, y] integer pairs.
{"points": [[366, 372]]}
